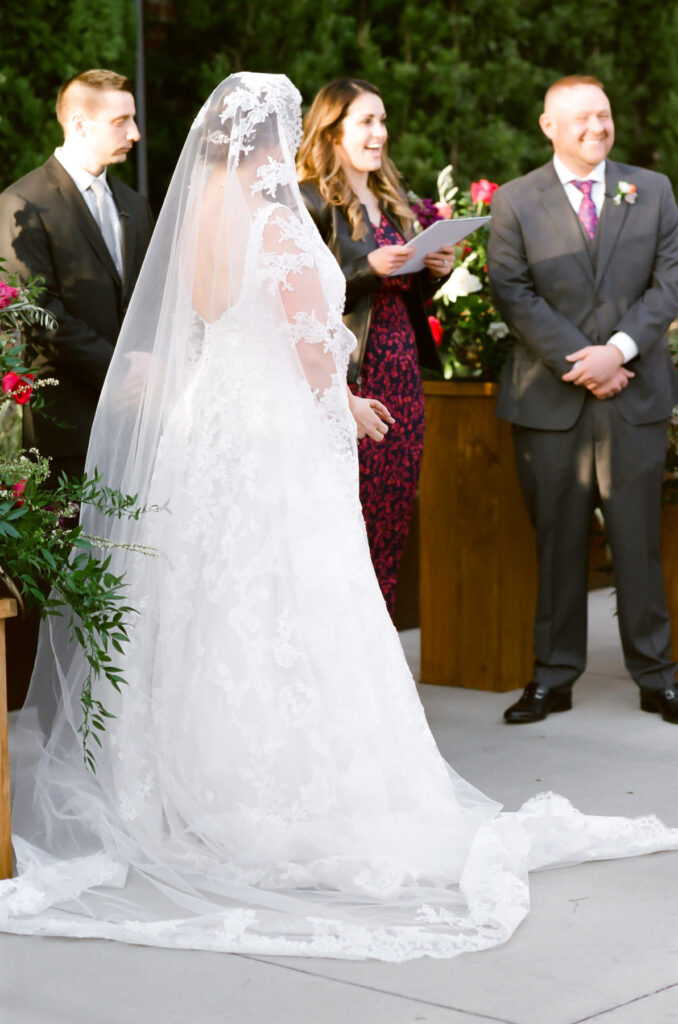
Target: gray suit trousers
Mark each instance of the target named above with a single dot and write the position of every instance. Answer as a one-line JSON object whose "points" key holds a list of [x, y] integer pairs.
{"points": [[563, 473]]}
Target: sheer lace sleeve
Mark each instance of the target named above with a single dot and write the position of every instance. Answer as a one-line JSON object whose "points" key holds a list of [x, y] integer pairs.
{"points": [[292, 271]]}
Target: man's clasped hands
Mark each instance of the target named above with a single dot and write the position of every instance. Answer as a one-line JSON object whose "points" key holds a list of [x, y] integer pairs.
{"points": [[599, 368]]}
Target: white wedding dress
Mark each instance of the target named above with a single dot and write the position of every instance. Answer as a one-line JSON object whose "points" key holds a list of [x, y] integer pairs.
{"points": [[270, 783]]}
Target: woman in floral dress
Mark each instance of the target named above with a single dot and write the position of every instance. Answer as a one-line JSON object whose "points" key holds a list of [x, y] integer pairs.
{"points": [[352, 191]]}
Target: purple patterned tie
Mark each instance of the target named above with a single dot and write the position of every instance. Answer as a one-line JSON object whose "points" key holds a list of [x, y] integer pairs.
{"points": [[587, 208]]}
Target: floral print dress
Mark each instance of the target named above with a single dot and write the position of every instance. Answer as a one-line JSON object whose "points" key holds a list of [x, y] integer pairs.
{"points": [[389, 470]]}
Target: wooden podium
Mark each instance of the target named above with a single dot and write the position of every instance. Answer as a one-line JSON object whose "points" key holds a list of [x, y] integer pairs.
{"points": [[478, 564], [669, 541], [7, 610]]}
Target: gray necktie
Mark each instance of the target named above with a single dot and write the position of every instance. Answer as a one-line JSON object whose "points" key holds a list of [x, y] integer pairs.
{"points": [[105, 222]]}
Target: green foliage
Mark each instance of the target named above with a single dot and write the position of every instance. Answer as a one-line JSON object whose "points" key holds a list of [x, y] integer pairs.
{"points": [[105, 31], [47, 561], [42, 557], [463, 81]]}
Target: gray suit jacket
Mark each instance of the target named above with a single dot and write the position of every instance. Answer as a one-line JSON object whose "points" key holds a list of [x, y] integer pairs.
{"points": [[556, 299]]}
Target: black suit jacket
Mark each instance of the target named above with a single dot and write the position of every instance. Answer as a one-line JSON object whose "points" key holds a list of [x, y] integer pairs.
{"points": [[557, 298], [46, 228], [362, 282]]}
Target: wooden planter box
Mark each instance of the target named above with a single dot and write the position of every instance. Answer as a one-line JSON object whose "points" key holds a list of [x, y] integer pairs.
{"points": [[670, 564], [7, 611], [478, 565], [21, 638]]}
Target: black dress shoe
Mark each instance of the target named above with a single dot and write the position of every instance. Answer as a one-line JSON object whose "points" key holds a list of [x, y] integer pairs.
{"points": [[536, 703], [662, 702]]}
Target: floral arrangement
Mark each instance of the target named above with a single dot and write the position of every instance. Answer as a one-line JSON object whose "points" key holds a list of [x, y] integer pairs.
{"points": [[46, 560], [18, 309], [472, 337]]}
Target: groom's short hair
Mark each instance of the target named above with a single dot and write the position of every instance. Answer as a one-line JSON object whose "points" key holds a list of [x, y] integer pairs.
{"points": [[81, 90], [568, 82]]}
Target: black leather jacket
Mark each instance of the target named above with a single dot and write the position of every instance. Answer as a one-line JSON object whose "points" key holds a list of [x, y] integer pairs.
{"points": [[362, 283]]}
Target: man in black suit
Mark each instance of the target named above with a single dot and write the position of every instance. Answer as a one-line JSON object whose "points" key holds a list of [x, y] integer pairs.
{"points": [[583, 261], [86, 233]]}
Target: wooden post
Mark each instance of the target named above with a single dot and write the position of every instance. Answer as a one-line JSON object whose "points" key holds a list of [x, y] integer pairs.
{"points": [[7, 610], [478, 570]]}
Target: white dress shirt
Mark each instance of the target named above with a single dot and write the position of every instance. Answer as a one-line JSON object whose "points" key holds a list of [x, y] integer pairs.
{"points": [[624, 342], [82, 180]]}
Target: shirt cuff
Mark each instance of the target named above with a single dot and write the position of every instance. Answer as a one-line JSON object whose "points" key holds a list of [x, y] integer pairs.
{"points": [[625, 344]]}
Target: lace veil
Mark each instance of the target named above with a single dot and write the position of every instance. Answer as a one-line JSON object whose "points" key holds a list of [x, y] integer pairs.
{"points": [[234, 179]]}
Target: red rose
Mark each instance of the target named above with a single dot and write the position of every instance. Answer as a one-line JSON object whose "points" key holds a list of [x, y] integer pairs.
{"points": [[18, 489], [483, 190], [436, 329], [7, 294], [17, 387]]}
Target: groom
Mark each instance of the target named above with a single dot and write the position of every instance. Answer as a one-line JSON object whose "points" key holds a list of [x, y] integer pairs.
{"points": [[583, 261]]}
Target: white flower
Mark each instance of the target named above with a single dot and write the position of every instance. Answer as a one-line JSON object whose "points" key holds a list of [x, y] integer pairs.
{"points": [[497, 330], [626, 191], [460, 282]]}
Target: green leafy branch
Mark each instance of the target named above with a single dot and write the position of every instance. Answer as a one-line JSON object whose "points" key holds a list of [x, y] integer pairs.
{"points": [[99, 622], [49, 561]]}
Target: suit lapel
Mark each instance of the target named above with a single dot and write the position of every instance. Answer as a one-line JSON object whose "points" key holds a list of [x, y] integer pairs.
{"points": [[611, 221], [69, 194], [562, 216]]}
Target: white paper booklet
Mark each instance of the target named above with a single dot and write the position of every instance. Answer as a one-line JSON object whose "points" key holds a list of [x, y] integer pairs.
{"points": [[441, 232]]}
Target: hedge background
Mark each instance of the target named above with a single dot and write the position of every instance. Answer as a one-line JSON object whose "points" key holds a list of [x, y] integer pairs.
{"points": [[462, 81]]}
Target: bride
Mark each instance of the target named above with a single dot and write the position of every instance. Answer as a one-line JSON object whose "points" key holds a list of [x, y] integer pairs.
{"points": [[269, 783]]}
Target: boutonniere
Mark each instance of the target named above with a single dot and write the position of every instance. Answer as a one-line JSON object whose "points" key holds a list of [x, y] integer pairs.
{"points": [[626, 192]]}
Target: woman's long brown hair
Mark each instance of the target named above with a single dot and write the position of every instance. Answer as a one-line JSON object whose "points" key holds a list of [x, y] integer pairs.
{"points": [[317, 161]]}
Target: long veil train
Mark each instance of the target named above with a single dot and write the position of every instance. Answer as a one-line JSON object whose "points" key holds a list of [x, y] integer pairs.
{"points": [[269, 783]]}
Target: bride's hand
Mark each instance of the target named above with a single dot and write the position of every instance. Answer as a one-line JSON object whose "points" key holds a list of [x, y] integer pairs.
{"points": [[371, 416], [389, 258]]}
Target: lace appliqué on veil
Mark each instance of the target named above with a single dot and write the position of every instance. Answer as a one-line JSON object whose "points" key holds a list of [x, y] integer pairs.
{"points": [[271, 175], [247, 106]]}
